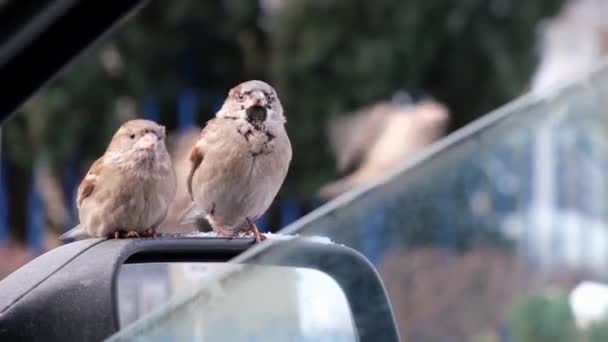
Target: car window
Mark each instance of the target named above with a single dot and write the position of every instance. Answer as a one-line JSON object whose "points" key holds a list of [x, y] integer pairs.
{"points": [[489, 232]]}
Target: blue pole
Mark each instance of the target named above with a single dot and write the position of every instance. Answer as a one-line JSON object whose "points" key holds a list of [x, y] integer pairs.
{"points": [[70, 184], [262, 223], [289, 211], [445, 235], [151, 109], [371, 242], [217, 105], [187, 104], [35, 218]]}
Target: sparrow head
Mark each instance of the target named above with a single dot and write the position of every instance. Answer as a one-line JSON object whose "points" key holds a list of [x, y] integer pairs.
{"points": [[254, 101], [138, 140]]}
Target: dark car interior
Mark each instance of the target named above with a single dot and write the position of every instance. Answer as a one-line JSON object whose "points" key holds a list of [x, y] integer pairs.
{"points": [[30, 29]]}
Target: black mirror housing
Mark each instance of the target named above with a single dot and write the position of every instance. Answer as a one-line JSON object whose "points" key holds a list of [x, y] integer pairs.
{"points": [[69, 293]]}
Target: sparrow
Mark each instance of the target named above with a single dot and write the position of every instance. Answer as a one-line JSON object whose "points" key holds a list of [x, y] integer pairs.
{"points": [[128, 190], [240, 161], [399, 133], [570, 44]]}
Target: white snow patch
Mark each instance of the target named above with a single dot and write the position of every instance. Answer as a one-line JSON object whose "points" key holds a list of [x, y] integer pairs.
{"points": [[269, 236]]}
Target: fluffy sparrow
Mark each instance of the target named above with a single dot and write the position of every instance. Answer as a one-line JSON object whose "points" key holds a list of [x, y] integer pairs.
{"points": [[240, 161], [127, 191]]}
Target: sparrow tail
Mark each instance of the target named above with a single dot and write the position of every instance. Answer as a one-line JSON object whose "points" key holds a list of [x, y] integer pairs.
{"points": [[77, 232], [191, 215]]}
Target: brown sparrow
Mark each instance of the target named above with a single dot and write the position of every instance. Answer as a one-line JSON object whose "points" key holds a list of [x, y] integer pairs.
{"points": [[240, 161], [127, 191]]}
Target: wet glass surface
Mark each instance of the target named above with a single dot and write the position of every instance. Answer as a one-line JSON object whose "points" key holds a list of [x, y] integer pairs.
{"points": [[486, 236]]}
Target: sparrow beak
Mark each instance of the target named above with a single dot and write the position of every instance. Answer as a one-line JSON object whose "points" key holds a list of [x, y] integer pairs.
{"points": [[147, 142], [257, 98]]}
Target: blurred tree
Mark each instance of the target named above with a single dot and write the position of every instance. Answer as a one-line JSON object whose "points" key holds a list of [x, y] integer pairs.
{"points": [[542, 318], [598, 331], [324, 56], [160, 52], [332, 56], [549, 317]]}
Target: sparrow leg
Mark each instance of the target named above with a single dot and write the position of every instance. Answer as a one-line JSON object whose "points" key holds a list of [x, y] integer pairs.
{"points": [[118, 233], [132, 234], [122, 234], [223, 232], [256, 234], [149, 233]]}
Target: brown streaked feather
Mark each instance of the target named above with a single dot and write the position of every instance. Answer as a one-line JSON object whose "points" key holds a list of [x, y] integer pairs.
{"points": [[89, 182], [196, 157], [197, 154]]}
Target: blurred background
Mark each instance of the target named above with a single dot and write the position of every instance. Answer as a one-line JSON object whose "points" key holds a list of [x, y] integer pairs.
{"points": [[366, 86]]}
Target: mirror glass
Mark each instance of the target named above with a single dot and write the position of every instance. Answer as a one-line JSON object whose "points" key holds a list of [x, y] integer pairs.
{"points": [[296, 304]]}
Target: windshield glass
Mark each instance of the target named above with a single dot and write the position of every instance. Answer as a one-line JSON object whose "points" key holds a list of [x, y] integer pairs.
{"points": [[495, 229], [491, 233]]}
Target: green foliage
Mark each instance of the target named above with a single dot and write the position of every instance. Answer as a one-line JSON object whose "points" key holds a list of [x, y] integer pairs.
{"points": [[325, 57], [332, 56], [541, 318], [161, 51], [598, 331]]}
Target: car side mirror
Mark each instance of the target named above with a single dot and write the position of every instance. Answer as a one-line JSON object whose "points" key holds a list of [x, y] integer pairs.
{"points": [[71, 293]]}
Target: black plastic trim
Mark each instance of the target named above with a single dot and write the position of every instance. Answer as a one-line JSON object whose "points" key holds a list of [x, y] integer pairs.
{"points": [[42, 40], [76, 302]]}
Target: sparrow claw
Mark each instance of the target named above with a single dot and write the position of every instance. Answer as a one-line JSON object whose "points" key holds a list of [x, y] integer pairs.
{"points": [[259, 237], [256, 234], [132, 234], [223, 232], [149, 233], [122, 234]]}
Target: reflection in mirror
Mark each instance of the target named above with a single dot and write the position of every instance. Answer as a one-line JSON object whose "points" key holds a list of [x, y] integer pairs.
{"points": [[293, 303]]}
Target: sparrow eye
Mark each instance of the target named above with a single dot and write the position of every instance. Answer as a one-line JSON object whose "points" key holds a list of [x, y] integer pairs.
{"points": [[240, 96], [132, 136]]}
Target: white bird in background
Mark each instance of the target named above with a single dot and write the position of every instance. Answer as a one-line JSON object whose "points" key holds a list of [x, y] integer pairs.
{"points": [[379, 138], [589, 303], [572, 43]]}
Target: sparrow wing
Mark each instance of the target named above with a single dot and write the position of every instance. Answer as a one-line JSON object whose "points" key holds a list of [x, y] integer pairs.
{"points": [[197, 154], [351, 135], [89, 182]]}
